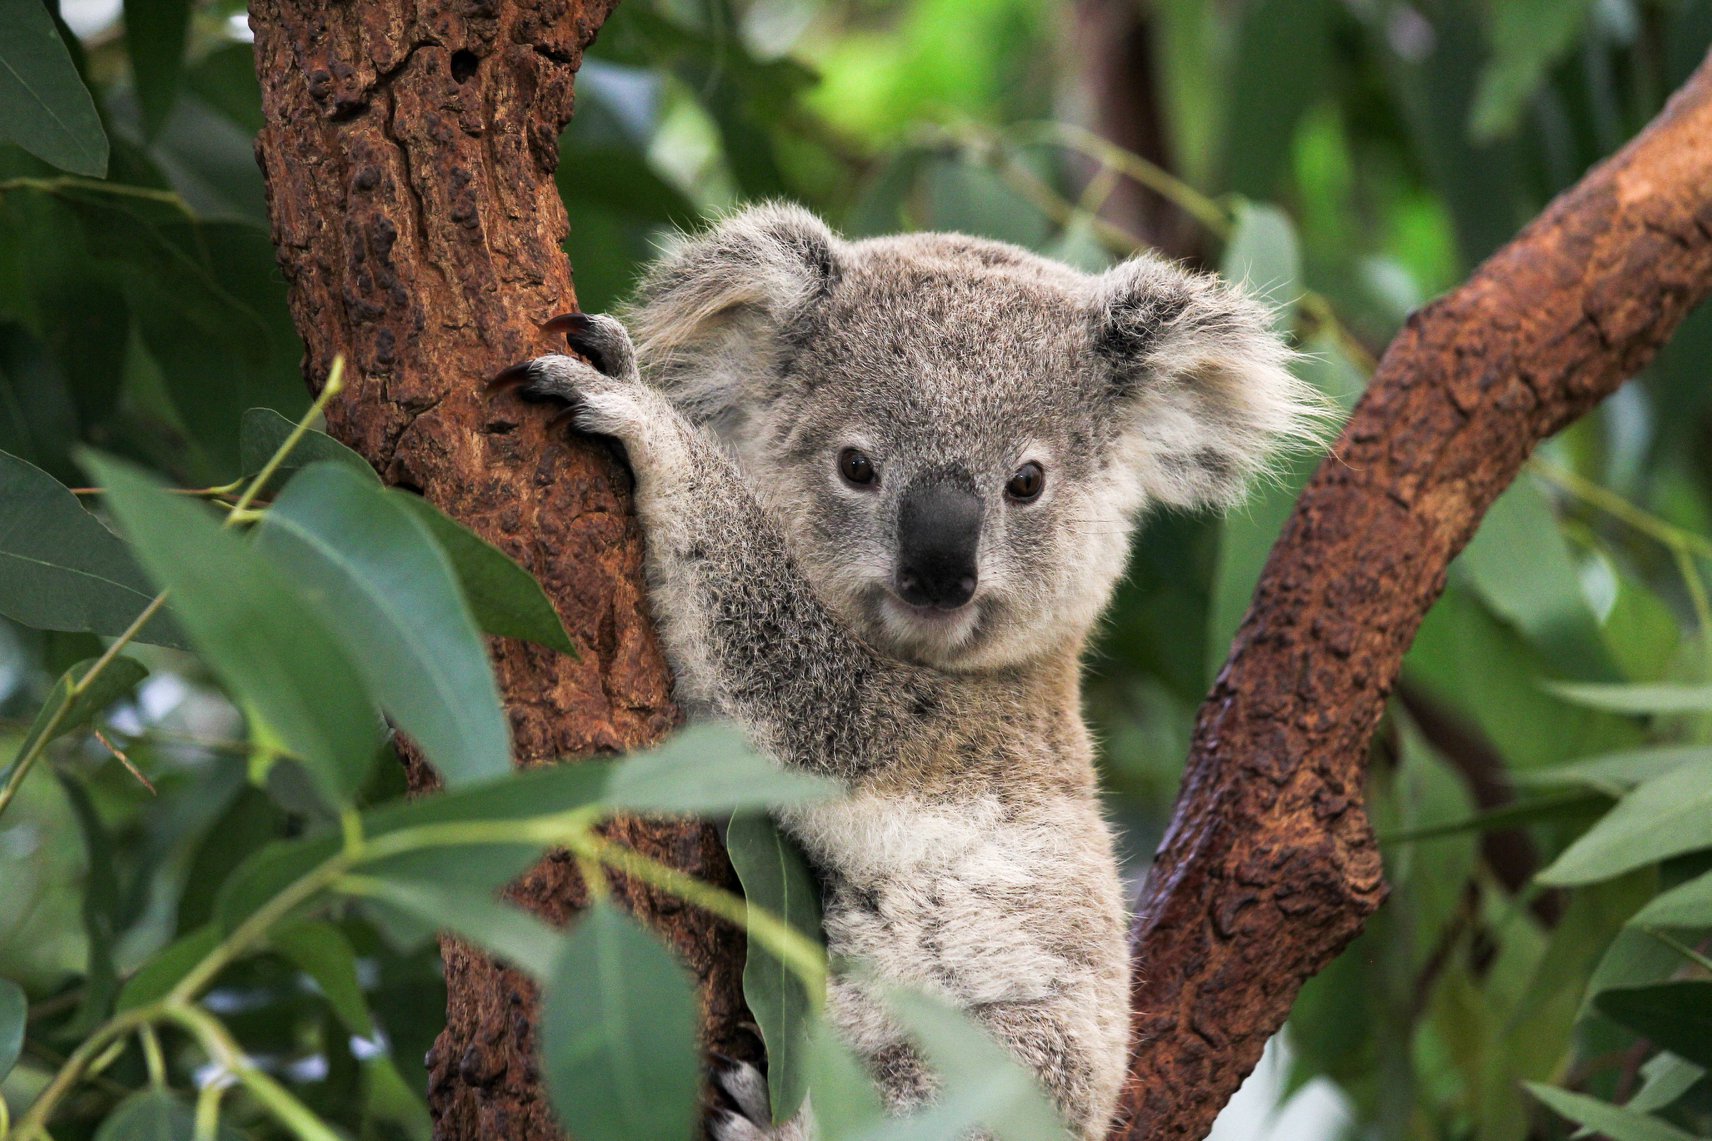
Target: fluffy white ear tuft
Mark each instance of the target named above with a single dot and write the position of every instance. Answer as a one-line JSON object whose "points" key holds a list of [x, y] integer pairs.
{"points": [[716, 312], [1202, 382]]}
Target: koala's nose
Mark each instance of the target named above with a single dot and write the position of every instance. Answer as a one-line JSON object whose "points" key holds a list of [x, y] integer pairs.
{"points": [[939, 532]]}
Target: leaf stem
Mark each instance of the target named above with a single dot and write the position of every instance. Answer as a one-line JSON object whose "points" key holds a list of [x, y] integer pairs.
{"points": [[226, 1053]]}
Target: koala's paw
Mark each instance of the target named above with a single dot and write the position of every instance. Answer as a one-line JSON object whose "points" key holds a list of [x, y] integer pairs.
{"points": [[750, 1116], [605, 397]]}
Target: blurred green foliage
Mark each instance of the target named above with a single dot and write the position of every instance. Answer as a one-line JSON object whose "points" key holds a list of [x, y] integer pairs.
{"points": [[1543, 788]]}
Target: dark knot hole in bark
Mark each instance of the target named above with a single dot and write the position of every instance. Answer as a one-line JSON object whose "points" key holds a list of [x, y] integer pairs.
{"points": [[464, 64]]}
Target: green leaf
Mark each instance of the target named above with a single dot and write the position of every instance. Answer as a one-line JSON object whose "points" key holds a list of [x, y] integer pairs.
{"points": [[1664, 817], [155, 32], [776, 877], [1264, 257], [266, 874], [1616, 772], [376, 576], [618, 1026], [263, 431], [14, 1011], [44, 106], [162, 971], [256, 629], [60, 569], [100, 907], [1521, 567], [1640, 700], [118, 678], [983, 1085], [155, 1115], [710, 769], [846, 1104], [1602, 1117], [1685, 905], [1676, 1016], [506, 599], [1528, 37], [500, 928], [1667, 1078], [321, 951]]}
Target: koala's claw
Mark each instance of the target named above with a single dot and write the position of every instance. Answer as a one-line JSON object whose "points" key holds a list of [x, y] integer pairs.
{"points": [[746, 1086], [507, 379], [604, 341]]}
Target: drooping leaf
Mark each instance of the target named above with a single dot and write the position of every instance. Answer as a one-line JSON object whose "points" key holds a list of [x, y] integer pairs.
{"points": [[1602, 1117], [60, 569], [116, 679], [100, 907], [502, 929], [506, 599], [983, 1085], [155, 1115], [263, 431], [1521, 567], [710, 769], [1615, 772], [1664, 817], [14, 1011], [1676, 1016], [1264, 257], [1640, 700], [618, 1021], [155, 33], [1528, 36], [376, 576], [846, 1104], [44, 106], [258, 631], [156, 977], [321, 951], [267, 874], [777, 878], [1685, 905]]}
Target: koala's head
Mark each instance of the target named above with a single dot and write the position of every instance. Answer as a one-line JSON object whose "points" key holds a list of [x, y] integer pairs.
{"points": [[958, 435]]}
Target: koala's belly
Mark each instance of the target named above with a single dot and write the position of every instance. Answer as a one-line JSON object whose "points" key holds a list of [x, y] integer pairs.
{"points": [[974, 897]]}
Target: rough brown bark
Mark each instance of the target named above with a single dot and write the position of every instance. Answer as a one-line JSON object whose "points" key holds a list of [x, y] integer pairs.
{"points": [[1270, 867], [409, 155]]}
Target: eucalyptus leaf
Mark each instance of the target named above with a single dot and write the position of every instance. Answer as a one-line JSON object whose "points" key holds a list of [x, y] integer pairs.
{"points": [[261, 633], [506, 599], [101, 903], [476, 916], [1264, 257], [376, 576], [155, 1115], [711, 769], [1675, 1016], [155, 32], [1685, 905], [60, 569], [118, 678], [14, 1012], [162, 971], [1663, 817], [618, 1026], [321, 951], [44, 106], [776, 877], [262, 432], [1641, 700], [1617, 772], [1602, 1117]]}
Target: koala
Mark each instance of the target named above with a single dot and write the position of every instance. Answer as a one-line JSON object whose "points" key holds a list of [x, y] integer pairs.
{"points": [[887, 488]]}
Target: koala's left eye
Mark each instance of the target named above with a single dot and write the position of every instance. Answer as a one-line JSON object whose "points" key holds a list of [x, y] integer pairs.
{"points": [[1026, 482]]}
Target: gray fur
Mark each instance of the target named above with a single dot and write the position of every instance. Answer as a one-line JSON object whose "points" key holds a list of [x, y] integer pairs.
{"points": [[970, 857]]}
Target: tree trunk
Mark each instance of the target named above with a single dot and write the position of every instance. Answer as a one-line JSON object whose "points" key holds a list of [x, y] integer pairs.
{"points": [[1270, 867], [409, 155]]}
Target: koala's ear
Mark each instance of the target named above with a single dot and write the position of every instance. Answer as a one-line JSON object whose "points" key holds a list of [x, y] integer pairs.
{"points": [[714, 316], [1200, 381]]}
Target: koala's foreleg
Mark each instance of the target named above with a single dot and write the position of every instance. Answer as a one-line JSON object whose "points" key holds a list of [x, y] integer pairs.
{"points": [[744, 632]]}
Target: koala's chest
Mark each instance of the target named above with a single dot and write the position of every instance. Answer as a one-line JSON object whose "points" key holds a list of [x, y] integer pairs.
{"points": [[953, 895]]}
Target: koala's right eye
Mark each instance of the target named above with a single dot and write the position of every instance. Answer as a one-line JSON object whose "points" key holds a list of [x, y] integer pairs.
{"points": [[856, 467]]}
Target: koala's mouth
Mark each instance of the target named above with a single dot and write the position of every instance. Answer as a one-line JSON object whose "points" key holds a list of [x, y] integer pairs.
{"points": [[929, 629]]}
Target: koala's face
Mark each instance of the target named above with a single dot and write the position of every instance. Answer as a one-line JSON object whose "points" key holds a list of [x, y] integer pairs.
{"points": [[959, 435]]}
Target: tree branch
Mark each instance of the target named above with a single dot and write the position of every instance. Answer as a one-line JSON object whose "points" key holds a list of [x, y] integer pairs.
{"points": [[409, 152], [1270, 866]]}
